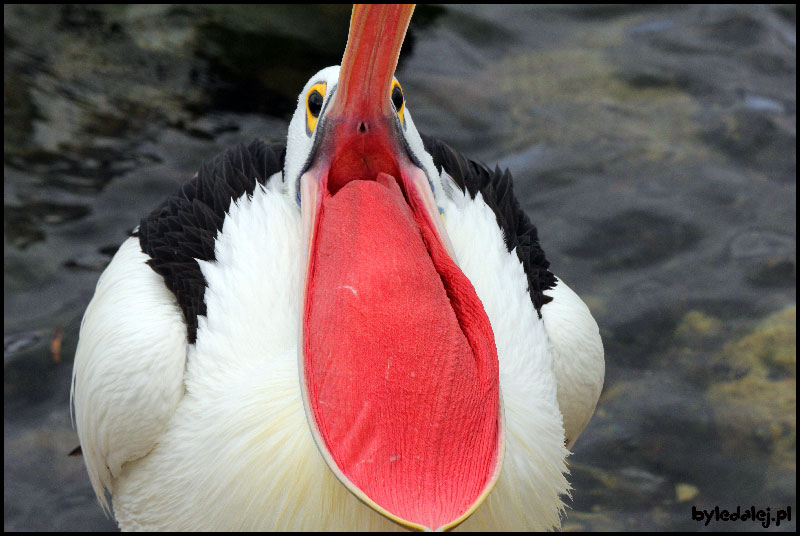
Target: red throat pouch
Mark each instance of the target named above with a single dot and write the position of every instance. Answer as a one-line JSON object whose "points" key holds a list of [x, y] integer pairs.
{"points": [[401, 370]]}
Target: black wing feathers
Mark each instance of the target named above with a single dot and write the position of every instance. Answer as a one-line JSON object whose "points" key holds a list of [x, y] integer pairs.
{"points": [[183, 228], [497, 188]]}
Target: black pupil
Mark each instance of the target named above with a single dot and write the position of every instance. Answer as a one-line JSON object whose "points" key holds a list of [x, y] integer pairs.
{"points": [[397, 98], [315, 103]]}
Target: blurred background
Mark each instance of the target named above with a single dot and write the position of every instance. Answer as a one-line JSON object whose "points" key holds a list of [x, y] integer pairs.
{"points": [[654, 148]]}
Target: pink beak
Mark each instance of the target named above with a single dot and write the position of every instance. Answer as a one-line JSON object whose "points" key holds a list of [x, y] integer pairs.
{"points": [[398, 363]]}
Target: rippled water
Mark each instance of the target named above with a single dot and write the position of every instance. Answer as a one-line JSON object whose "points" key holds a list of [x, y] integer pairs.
{"points": [[654, 148]]}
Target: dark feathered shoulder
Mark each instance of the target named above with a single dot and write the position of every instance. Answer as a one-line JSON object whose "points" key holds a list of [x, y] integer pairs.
{"points": [[183, 228], [497, 188]]}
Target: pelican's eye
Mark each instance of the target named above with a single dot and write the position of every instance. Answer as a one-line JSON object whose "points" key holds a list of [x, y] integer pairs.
{"points": [[398, 100], [314, 100]]}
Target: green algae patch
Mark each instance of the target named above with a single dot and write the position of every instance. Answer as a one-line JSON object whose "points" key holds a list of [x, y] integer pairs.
{"points": [[755, 402], [698, 325]]}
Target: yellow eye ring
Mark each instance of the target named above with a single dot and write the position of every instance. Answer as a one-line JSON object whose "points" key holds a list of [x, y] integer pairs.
{"points": [[398, 100], [314, 99]]}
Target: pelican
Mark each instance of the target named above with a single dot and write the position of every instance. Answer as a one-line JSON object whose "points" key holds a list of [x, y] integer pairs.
{"points": [[356, 331]]}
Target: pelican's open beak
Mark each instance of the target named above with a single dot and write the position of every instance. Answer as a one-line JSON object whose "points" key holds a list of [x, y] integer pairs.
{"points": [[398, 363]]}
